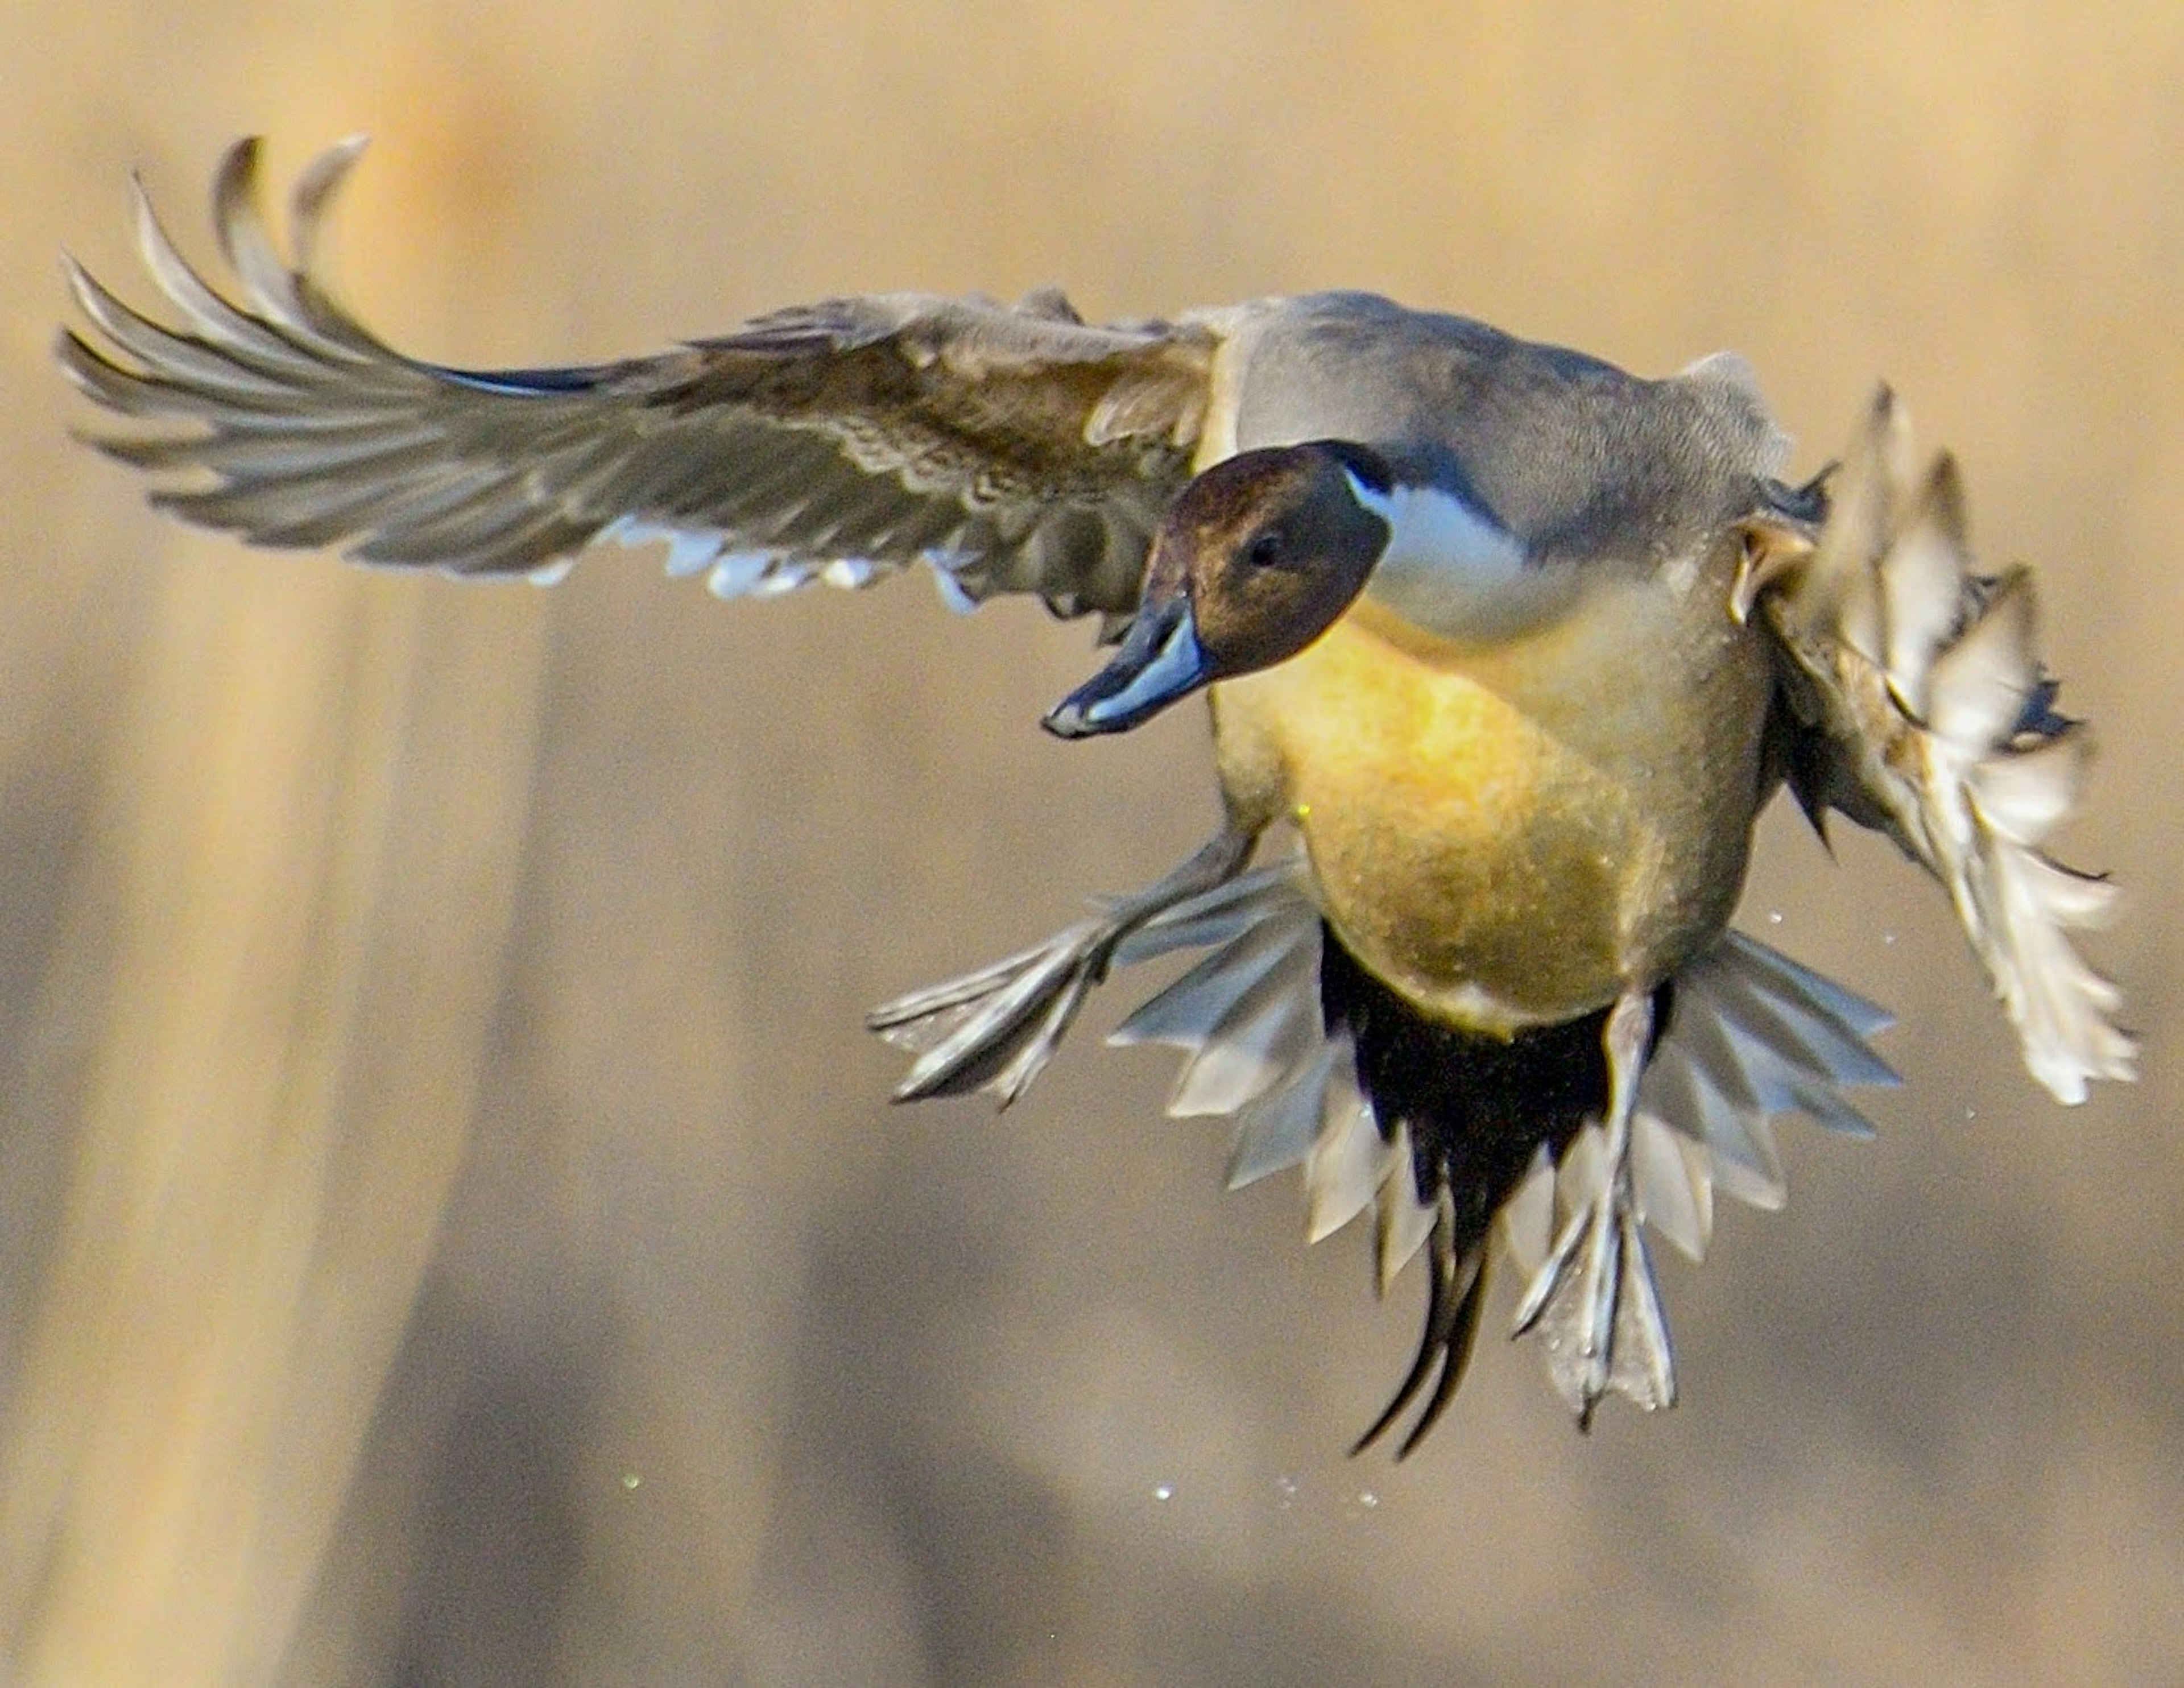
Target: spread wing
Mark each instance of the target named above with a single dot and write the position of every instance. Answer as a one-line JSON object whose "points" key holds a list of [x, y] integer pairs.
{"points": [[1016, 449], [1920, 707]]}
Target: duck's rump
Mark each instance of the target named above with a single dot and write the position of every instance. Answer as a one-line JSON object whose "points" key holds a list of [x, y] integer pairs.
{"points": [[1475, 1110], [1478, 1105]]}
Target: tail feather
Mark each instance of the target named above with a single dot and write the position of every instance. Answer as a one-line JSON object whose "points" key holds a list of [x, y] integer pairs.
{"points": [[1438, 1135], [1456, 1286]]}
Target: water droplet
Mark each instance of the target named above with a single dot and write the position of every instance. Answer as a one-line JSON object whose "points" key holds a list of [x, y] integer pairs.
{"points": [[630, 1479], [1774, 917], [1888, 938], [1163, 1491], [1367, 1499], [1971, 1113], [1286, 1487]]}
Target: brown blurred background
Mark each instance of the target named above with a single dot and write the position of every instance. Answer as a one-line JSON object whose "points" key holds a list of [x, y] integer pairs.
{"points": [[451, 1225]]}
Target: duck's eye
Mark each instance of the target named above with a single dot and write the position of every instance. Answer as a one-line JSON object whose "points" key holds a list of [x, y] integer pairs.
{"points": [[1266, 548]]}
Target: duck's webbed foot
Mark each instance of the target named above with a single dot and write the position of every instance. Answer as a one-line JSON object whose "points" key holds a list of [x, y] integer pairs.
{"points": [[995, 1029], [1594, 1303]]}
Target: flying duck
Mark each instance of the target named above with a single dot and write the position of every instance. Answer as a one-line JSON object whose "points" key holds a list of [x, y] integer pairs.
{"points": [[1517, 645]]}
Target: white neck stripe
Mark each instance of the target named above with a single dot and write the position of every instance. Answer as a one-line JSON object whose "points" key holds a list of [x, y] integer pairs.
{"points": [[1448, 566]]}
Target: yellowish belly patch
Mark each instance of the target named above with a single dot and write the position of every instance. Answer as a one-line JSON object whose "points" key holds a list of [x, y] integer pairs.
{"points": [[1510, 837]]}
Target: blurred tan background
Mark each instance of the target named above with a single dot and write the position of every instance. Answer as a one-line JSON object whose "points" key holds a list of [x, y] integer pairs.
{"points": [[451, 1225]]}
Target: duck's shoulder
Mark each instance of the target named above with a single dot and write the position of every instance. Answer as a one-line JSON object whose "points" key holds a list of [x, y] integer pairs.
{"points": [[1359, 365], [1724, 392]]}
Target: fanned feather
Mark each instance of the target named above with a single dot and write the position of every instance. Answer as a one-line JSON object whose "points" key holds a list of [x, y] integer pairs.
{"points": [[1752, 1034], [1927, 715]]}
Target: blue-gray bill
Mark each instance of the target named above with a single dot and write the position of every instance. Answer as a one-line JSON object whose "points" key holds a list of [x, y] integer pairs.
{"points": [[1160, 662]]}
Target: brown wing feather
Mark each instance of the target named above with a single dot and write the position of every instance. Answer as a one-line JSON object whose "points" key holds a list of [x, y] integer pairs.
{"points": [[1019, 449], [1921, 710]]}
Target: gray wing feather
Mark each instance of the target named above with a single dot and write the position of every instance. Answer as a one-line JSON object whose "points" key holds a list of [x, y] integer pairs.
{"points": [[1016, 449]]}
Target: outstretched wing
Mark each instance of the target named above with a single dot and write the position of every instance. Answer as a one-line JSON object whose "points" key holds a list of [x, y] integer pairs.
{"points": [[1015, 448], [1920, 709]]}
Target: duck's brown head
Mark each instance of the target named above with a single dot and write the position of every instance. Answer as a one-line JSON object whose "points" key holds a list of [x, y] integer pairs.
{"points": [[1257, 558]]}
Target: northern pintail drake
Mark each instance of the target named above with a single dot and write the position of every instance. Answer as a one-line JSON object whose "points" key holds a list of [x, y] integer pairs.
{"points": [[1517, 645]]}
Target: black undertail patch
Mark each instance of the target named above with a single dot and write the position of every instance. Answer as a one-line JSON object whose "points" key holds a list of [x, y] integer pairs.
{"points": [[1478, 1107]]}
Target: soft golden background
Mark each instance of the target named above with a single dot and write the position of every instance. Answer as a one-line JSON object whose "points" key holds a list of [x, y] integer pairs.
{"points": [[451, 1226]]}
